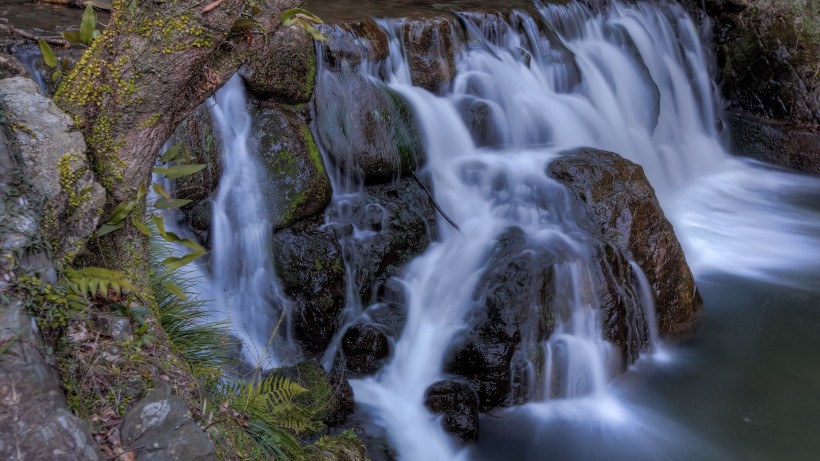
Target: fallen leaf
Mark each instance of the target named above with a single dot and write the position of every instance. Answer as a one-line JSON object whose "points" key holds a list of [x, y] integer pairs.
{"points": [[211, 6]]}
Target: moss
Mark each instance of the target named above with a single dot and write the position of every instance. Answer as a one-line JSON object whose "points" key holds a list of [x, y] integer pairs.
{"points": [[150, 121], [21, 127], [343, 447], [313, 151]]}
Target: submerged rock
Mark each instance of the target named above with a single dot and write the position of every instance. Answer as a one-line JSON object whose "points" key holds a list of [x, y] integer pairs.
{"points": [[630, 217], [52, 159], [159, 427], [309, 263], [458, 403], [296, 185]]}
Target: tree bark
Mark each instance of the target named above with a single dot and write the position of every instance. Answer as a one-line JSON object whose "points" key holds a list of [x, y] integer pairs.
{"points": [[148, 70]]}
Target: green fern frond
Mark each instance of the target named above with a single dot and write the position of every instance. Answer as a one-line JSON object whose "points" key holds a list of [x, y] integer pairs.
{"points": [[95, 281]]}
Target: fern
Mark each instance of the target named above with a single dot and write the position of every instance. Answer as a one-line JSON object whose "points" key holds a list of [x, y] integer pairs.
{"points": [[98, 281]]}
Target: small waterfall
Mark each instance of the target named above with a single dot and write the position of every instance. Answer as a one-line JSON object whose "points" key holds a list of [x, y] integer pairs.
{"points": [[28, 56], [244, 283]]}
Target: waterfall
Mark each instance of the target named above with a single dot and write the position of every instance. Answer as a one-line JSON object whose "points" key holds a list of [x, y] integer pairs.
{"points": [[629, 78], [244, 284]]}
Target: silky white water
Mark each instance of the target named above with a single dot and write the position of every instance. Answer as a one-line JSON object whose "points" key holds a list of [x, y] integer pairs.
{"points": [[633, 79], [244, 287]]}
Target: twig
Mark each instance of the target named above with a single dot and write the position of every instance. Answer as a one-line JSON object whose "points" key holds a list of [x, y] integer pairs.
{"points": [[8, 28], [433, 201]]}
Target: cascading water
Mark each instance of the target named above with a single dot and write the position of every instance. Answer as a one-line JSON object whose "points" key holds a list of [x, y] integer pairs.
{"points": [[628, 78], [244, 284]]}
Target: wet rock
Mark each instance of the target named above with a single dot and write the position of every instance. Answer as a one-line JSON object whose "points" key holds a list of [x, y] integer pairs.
{"points": [[479, 117], [160, 427], [767, 53], [364, 347], [52, 158], [35, 422], [630, 217], [197, 133], [10, 67], [431, 46], [458, 403], [297, 185], [387, 226], [285, 70], [367, 129], [309, 263], [348, 44], [328, 396], [785, 145]]}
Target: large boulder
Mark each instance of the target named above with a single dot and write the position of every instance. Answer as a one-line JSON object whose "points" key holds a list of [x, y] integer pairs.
{"points": [[309, 263], [431, 43], [35, 422], [160, 428], [367, 129], [629, 216], [52, 158], [285, 71], [296, 185]]}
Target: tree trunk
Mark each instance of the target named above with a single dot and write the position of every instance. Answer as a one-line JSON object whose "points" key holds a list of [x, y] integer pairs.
{"points": [[147, 71]]}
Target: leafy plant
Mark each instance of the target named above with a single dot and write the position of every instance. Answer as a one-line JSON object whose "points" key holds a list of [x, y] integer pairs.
{"points": [[98, 281], [88, 28], [304, 19]]}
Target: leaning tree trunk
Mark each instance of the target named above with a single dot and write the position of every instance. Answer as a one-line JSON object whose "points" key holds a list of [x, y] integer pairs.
{"points": [[148, 70]]}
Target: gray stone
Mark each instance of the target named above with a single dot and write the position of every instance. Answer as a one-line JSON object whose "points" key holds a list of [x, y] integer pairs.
{"points": [[10, 67], [52, 159], [34, 421], [286, 69], [160, 428], [114, 326]]}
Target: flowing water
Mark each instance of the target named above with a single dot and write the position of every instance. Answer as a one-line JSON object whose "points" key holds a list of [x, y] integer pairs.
{"points": [[633, 79], [243, 279]]}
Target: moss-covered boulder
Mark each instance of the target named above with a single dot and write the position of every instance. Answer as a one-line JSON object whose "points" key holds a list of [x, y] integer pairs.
{"points": [[286, 69], [777, 143], [431, 46], [768, 55], [367, 129], [296, 185]]}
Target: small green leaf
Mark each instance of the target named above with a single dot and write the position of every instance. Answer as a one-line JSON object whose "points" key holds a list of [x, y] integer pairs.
{"points": [[292, 13], [255, 10], [72, 36], [108, 228], [56, 75], [161, 190], [175, 290], [242, 24], [88, 25], [313, 31], [170, 203], [171, 153], [175, 263], [179, 170], [132, 6], [140, 226], [48, 55]]}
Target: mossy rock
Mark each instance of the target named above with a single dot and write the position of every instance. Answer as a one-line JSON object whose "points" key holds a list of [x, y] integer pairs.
{"points": [[286, 69], [297, 185], [198, 135], [343, 447]]}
